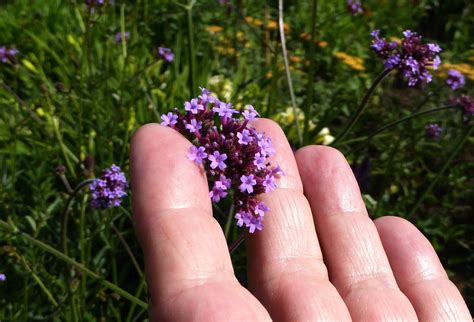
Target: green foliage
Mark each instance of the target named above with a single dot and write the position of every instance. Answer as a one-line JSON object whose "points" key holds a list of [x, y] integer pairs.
{"points": [[73, 93]]}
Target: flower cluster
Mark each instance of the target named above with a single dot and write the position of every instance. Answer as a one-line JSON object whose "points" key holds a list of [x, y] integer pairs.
{"points": [[118, 37], [3, 277], [166, 54], [234, 154], [412, 58], [455, 79], [8, 54], [354, 7], [109, 189], [466, 103], [434, 131]]}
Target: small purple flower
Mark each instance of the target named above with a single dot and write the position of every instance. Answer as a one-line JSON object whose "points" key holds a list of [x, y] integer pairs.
{"points": [[247, 183], [166, 54], [466, 103], [354, 7], [255, 224], [392, 61], [218, 191], [169, 119], [193, 106], [259, 161], [194, 126], [3, 277], [265, 145], [243, 217], [197, 154], [455, 79], [118, 36], [109, 189], [225, 181], [261, 209], [8, 54], [250, 113], [224, 109], [217, 160], [269, 183], [244, 137], [434, 131]]}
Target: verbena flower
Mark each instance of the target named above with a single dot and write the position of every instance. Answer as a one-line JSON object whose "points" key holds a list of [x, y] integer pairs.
{"points": [[3, 277], [118, 36], [354, 7], [466, 103], [455, 79], [412, 57], [434, 131], [8, 54], [166, 54], [109, 189], [234, 154]]}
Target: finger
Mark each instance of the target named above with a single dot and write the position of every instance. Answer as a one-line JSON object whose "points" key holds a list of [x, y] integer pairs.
{"points": [[352, 249], [419, 272], [188, 267], [286, 270]]}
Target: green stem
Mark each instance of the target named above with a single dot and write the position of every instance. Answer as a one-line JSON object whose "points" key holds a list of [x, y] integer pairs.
{"points": [[230, 218], [141, 286], [287, 69], [122, 33], [312, 66], [128, 250], [236, 243], [39, 282], [189, 14], [7, 227], [362, 106], [448, 161], [403, 119]]}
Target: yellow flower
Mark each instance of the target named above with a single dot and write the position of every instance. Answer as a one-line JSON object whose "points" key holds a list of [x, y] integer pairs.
{"points": [[214, 29], [396, 39], [466, 69], [272, 24], [354, 62], [324, 137], [295, 59], [322, 44]]}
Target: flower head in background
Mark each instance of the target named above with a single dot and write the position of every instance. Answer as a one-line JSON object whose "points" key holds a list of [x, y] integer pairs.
{"points": [[411, 57], [8, 54], [354, 7], [234, 154], [466, 103], [3, 277], [118, 36], [455, 79], [434, 131], [166, 54], [109, 189]]}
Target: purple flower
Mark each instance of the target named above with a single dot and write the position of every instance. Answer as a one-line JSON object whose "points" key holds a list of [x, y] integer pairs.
{"points": [[197, 154], [455, 79], [193, 106], [169, 119], [412, 58], [434, 131], [8, 54], [261, 209], [243, 217], [224, 109], [259, 161], [354, 7], [265, 145], [244, 137], [217, 160], [218, 191], [166, 54], [247, 183], [250, 113], [3, 277], [255, 224], [269, 183], [194, 126], [466, 103], [118, 36], [109, 189]]}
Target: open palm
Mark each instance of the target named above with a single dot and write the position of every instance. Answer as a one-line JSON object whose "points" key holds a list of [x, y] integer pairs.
{"points": [[319, 257]]}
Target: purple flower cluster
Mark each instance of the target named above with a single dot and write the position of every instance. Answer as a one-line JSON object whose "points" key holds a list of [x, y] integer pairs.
{"points": [[166, 54], [109, 189], [466, 103], [354, 7], [434, 131], [3, 277], [8, 54], [118, 37], [234, 154], [455, 79], [412, 59]]}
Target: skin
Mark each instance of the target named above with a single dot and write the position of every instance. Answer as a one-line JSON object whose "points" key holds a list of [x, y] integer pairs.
{"points": [[319, 257]]}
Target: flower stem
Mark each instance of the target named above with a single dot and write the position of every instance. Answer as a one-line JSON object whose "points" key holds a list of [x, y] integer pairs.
{"points": [[312, 66], [236, 243], [7, 227], [189, 13], [287, 69], [448, 161], [362, 106]]}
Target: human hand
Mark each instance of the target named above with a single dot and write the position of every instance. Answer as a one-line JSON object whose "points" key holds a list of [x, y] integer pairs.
{"points": [[348, 267]]}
